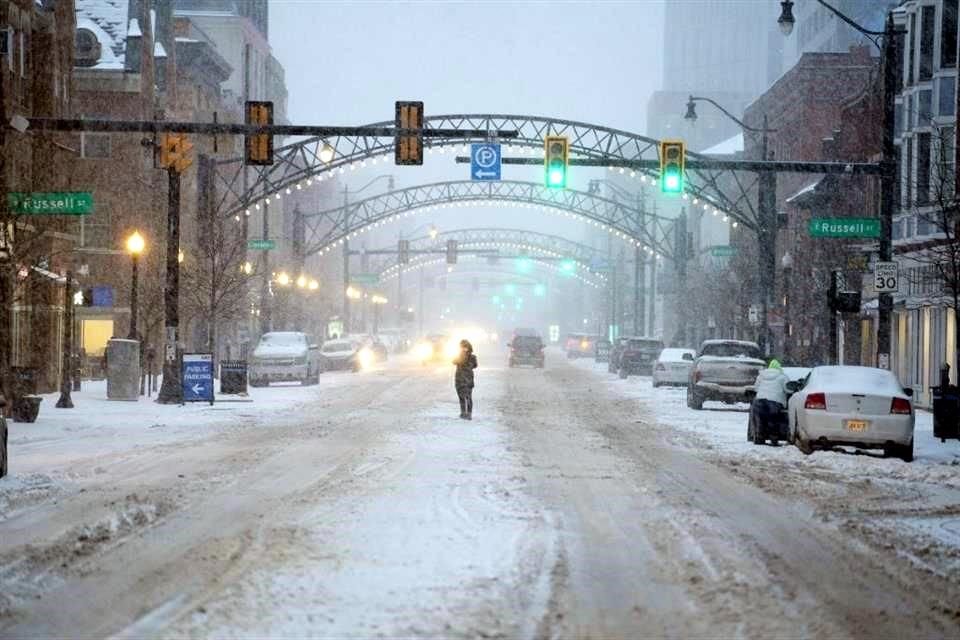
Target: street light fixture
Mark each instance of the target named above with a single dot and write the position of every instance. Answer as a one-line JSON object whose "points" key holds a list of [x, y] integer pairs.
{"points": [[283, 279], [135, 246], [326, 153], [247, 268], [786, 20], [302, 281]]}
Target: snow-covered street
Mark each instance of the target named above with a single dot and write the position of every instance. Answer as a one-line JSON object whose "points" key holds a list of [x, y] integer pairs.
{"points": [[574, 504]]}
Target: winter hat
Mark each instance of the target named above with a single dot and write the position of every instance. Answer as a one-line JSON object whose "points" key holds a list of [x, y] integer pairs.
{"points": [[775, 364]]}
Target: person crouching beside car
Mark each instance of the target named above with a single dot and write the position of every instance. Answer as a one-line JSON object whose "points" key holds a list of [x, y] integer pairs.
{"points": [[771, 397]]}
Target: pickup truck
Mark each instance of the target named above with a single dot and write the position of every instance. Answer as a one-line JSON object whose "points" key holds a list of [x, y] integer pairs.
{"points": [[725, 370]]}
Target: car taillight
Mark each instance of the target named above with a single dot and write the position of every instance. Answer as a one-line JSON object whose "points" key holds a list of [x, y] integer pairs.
{"points": [[697, 375], [901, 406], [816, 401], [660, 367]]}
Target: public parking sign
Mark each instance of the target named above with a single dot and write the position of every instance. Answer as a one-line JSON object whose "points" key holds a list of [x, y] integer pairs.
{"points": [[197, 379], [484, 161], [886, 277]]}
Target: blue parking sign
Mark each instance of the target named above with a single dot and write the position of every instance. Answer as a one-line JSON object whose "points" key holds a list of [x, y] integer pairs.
{"points": [[485, 161], [197, 377]]}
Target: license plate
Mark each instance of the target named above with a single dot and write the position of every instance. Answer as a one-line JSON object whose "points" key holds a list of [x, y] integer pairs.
{"points": [[856, 425]]}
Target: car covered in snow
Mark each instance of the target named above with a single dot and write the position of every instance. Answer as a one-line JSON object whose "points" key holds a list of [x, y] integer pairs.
{"points": [[285, 356], [580, 345], [725, 370], [341, 354], [638, 356], [862, 407], [526, 349], [673, 367]]}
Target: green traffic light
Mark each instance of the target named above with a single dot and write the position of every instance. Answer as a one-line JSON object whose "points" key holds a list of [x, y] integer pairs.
{"points": [[672, 183], [568, 267], [556, 177]]}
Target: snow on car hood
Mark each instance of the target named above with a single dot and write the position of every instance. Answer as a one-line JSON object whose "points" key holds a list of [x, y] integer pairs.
{"points": [[847, 379]]}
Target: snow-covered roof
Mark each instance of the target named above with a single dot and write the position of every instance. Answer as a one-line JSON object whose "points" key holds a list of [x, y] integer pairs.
{"points": [[728, 147], [109, 22]]}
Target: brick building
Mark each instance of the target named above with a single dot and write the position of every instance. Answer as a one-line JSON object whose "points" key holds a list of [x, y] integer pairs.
{"points": [[35, 76], [822, 109]]}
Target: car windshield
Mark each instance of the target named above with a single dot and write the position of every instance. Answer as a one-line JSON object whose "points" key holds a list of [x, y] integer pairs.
{"points": [[732, 350], [333, 347], [526, 342], [285, 338], [644, 344]]}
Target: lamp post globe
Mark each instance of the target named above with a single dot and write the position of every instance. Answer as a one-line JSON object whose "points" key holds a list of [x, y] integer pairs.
{"points": [[135, 246], [786, 20]]}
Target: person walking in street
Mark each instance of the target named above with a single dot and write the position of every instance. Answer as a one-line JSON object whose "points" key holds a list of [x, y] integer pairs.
{"points": [[768, 403], [466, 362]]}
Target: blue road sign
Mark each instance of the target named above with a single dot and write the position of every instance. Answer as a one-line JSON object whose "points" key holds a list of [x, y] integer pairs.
{"points": [[197, 377], [485, 161]]}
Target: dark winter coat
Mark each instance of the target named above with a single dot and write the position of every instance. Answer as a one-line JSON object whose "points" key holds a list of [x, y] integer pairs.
{"points": [[466, 362]]}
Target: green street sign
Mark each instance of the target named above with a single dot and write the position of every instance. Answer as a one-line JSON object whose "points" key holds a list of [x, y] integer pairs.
{"points": [[365, 278], [53, 203], [723, 251], [845, 227], [261, 245]]}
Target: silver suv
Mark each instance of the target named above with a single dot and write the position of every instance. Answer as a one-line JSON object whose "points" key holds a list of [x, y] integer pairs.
{"points": [[285, 356]]}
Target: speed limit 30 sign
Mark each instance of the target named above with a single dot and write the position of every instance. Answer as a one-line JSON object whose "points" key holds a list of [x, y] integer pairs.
{"points": [[886, 277]]}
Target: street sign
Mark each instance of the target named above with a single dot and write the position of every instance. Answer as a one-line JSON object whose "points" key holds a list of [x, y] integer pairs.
{"points": [[484, 161], [886, 277], [261, 245], [365, 278], [753, 314], [197, 383], [53, 203], [102, 296], [723, 251], [844, 227]]}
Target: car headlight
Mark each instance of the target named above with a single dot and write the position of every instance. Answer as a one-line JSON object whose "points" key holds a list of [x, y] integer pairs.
{"points": [[452, 349], [423, 351], [366, 357]]}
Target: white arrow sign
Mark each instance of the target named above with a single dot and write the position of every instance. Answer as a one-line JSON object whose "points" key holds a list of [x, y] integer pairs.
{"points": [[486, 174], [197, 388]]}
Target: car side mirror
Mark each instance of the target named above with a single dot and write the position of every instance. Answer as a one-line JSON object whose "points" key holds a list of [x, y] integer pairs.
{"points": [[908, 391], [793, 386], [751, 393]]}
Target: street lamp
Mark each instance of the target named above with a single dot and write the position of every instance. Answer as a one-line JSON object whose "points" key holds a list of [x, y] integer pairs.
{"points": [[135, 245], [283, 279], [767, 214], [888, 165], [786, 263], [786, 20], [302, 281], [326, 153]]}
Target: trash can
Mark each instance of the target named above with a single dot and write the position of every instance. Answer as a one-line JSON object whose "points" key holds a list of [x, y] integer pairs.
{"points": [[946, 413], [26, 402], [123, 369]]}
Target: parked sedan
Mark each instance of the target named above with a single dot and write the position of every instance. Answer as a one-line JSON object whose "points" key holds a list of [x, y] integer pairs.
{"points": [[673, 367], [859, 407], [283, 356]]}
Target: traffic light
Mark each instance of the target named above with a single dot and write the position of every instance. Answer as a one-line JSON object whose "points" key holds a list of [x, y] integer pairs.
{"points": [[259, 147], [175, 152], [568, 267], [408, 149], [451, 252], [555, 156], [403, 249], [672, 162]]}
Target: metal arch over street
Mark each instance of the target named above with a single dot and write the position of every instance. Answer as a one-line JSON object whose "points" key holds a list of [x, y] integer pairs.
{"points": [[477, 266], [326, 230], [534, 243], [297, 162]]}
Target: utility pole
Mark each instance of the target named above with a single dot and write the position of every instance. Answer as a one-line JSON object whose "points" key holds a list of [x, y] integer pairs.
{"points": [[171, 391], [6, 254], [653, 287], [887, 181], [640, 275], [767, 235], [346, 260], [420, 309], [266, 306]]}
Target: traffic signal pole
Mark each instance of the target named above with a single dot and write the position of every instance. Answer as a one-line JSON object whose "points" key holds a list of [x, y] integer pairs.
{"points": [[887, 182], [266, 310], [171, 391], [767, 241]]}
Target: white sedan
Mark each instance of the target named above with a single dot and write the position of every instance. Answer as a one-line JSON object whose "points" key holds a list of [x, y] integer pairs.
{"points": [[859, 407], [673, 367]]}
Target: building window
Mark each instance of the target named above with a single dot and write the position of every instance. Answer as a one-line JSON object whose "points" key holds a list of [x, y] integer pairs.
{"points": [[947, 98], [923, 168], [898, 120], [911, 47], [908, 177], [927, 32], [94, 145], [948, 34], [946, 162], [925, 108]]}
